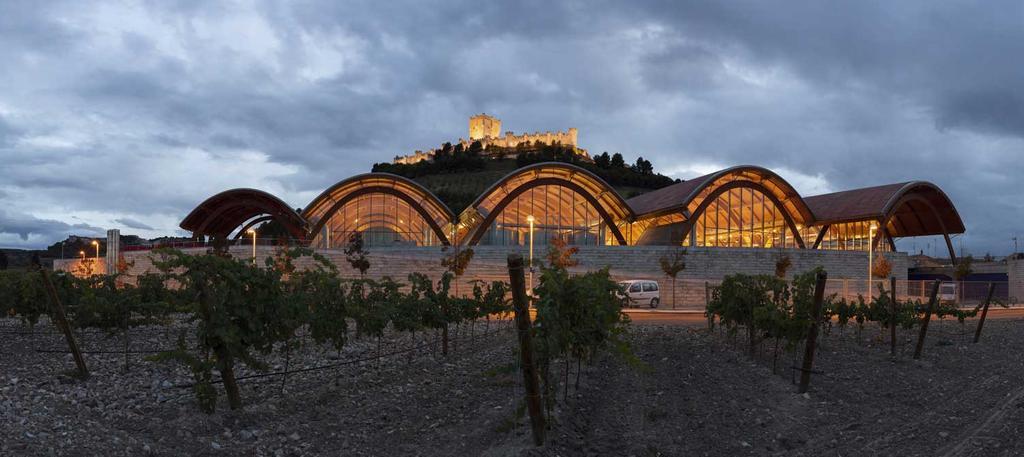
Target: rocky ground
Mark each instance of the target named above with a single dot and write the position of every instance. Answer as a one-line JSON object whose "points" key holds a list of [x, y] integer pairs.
{"points": [[694, 393]]}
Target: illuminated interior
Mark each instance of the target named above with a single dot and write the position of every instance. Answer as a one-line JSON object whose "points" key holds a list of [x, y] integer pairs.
{"points": [[388, 210], [742, 217], [739, 207]]}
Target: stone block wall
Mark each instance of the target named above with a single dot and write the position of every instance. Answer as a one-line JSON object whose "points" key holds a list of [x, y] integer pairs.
{"points": [[704, 266]]}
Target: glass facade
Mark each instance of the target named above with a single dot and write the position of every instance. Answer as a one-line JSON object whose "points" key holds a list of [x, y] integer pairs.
{"points": [[556, 196], [558, 212], [742, 217], [850, 236], [383, 219], [388, 210]]}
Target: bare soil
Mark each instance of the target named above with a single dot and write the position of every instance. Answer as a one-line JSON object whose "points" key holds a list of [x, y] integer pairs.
{"points": [[694, 393]]}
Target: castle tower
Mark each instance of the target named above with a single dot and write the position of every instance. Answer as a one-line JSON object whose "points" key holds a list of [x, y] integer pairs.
{"points": [[482, 126]]}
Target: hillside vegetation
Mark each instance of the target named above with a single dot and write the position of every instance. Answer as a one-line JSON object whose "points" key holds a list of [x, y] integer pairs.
{"points": [[459, 176]]}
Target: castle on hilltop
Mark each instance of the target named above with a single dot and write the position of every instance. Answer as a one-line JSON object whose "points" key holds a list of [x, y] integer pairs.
{"points": [[487, 130]]}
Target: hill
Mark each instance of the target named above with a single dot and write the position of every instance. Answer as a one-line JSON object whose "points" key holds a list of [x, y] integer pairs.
{"points": [[458, 177]]}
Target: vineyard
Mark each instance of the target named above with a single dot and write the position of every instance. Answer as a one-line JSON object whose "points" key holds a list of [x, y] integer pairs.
{"points": [[216, 333], [212, 354]]}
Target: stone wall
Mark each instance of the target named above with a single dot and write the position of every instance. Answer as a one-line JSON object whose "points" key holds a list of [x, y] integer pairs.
{"points": [[847, 270]]}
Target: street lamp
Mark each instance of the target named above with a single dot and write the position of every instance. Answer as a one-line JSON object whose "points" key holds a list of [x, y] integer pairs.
{"points": [[530, 220], [82, 253], [253, 233], [871, 252], [97, 244]]}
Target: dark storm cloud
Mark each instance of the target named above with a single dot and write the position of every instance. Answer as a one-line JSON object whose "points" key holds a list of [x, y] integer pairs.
{"points": [[148, 108], [25, 226], [132, 223]]}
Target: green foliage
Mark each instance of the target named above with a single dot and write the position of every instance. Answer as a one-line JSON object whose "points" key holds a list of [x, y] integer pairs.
{"points": [[355, 253], [240, 310], [22, 294], [577, 316]]}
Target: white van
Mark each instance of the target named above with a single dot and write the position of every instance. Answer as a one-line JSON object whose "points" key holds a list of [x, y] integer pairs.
{"points": [[947, 291], [642, 292]]}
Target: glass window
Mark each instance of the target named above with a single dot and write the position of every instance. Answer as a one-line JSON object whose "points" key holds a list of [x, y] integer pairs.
{"points": [[743, 217], [383, 220], [635, 287], [650, 287], [558, 212]]}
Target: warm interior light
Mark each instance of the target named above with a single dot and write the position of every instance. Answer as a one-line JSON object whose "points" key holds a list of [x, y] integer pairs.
{"points": [[529, 218]]}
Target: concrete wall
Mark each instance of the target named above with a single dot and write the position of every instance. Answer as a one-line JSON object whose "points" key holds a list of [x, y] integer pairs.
{"points": [[847, 270], [1015, 275]]}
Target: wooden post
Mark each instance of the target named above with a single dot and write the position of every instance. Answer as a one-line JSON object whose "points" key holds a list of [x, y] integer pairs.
{"points": [[927, 317], [894, 309], [62, 322], [984, 311], [812, 332], [522, 311]]}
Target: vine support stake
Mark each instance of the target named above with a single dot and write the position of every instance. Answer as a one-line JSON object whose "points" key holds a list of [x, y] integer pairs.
{"points": [[927, 317], [522, 311], [62, 322], [812, 333], [984, 311], [893, 309]]}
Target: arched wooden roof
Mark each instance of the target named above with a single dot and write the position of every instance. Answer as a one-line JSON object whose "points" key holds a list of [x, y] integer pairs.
{"points": [[222, 213], [916, 208], [437, 215], [687, 195], [609, 204]]}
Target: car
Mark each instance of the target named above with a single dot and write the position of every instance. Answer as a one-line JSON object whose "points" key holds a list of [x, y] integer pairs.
{"points": [[641, 292]]}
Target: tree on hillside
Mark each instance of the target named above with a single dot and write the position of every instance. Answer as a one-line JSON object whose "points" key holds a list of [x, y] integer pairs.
{"points": [[643, 167], [3, 260], [603, 160], [475, 147], [618, 161]]}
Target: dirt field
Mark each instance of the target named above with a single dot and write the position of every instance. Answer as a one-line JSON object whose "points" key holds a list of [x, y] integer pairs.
{"points": [[696, 394]]}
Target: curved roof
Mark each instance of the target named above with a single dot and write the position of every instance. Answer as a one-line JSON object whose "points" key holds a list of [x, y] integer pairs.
{"points": [[608, 202], [422, 200], [564, 171], [681, 196], [915, 208], [222, 213]]}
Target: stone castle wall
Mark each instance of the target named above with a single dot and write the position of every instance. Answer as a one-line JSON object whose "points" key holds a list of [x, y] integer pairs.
{"points": [[486, 129]]}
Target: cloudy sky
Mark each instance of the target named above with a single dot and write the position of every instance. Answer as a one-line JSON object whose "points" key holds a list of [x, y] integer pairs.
{"points": [[127, 114]]}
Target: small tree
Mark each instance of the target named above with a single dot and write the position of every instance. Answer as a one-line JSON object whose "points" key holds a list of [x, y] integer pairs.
{"points": [[881, 268], [456, 261], [355, 254], [672, 265], [963, 269], [782, 266]]}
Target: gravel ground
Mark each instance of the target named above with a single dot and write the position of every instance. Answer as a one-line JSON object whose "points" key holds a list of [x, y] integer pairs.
{"points": [[695, 394], [703, 396]]}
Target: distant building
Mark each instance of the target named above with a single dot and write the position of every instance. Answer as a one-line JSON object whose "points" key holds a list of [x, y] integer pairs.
{"points": [[487, 130]]}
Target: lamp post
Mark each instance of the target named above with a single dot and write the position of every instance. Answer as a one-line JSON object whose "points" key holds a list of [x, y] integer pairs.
{"points": [[871, 252], [97, 244], [530, 220], [253, 233], [82, 253]]}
